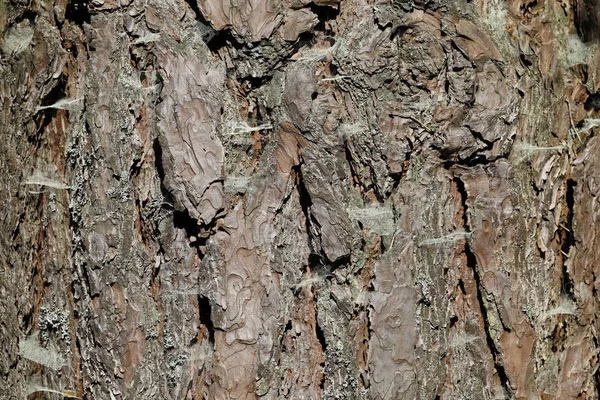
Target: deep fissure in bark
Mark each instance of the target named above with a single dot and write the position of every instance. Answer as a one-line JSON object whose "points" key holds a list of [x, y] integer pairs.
{"points": [[222, 39], [366, 377], [586, 20], [593, 101], [205, 313], [355, 181], [183, 220], [596, 360], [323, 344], [321, 336], [58, 92], [77, 199], [45, 116], [315, 256], [568, 240], [78, 12], [197, 232], [472, 265], [316, 262], [324, 13], [398, 176], [198, 14], [160, 169]]}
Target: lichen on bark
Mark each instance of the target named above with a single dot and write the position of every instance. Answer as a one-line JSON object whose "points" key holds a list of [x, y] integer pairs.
{"points": [[298, 199]]}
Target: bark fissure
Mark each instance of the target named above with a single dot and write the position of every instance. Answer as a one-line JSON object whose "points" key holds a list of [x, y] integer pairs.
{"points": [[78, 12], [311, 225], [387, 126], [567, 236], [320, 335], [205, 312], [597, 363], [481, 292], [325, 13]]}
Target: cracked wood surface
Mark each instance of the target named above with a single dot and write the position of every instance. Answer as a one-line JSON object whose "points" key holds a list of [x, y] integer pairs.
{"points": [[364, 199]]}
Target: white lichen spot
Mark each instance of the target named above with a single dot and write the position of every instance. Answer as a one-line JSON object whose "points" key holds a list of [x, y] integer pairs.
{"points": [[40, 180], [450, 238], [31, 349], [64, 104], [576, 52], [378, 219], [18, 38], [566, 307]]}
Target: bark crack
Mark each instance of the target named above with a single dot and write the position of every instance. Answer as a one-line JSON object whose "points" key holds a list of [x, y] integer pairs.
{"points": [[567, 237], [197, 232], [323, 343], [316, 255], [473, 266], [77, 11], [204, 309]]}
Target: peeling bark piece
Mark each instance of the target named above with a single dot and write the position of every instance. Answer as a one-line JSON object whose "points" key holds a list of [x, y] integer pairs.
{"points": [[333, 229], [297, 22], [300, 85], [389, 242], [474, 43], [253, 20], [192, 153]]}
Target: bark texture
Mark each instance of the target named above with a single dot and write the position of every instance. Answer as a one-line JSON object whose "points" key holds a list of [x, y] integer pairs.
{"points": [[365, 199]]}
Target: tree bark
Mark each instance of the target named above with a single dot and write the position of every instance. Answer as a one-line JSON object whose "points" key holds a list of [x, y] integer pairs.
{"points": [[299, 199]]}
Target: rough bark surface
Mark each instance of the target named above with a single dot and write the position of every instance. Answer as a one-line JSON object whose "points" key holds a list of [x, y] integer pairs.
{"points": [[365, 199]]}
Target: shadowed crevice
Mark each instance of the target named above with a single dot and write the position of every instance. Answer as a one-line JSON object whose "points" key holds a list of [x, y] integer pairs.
{"points": [[473, 266], [205, 313], [567, 241], [78, 12], [324, 15]]}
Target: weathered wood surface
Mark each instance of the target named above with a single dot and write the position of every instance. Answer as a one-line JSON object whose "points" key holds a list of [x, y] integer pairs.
{"points": [[299, 199]]}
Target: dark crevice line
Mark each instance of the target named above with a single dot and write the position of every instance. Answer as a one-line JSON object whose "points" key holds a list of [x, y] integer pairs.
{"points": [[498, 364], [44, 117], [567, 240], [324, 14], [284, 201], [473, 161], [323, 343], [17, 228], [597, 359], [194, 6], [350, 161], [367, 379], [197, 231], [88, 286], [78, 12], [586, 21], [473, 266], [320, 336], [477, 158], [76, 225], [398, 176], [160, 169], [28, 14], [221, 39], [205, 311], [378, 195], [315, 257]]}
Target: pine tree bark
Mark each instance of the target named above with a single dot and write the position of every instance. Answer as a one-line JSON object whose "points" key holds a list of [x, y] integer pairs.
{"points": [[299, 199]]}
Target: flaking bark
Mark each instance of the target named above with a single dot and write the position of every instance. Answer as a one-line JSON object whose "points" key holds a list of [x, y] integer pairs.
{"points": [[299, 199]]}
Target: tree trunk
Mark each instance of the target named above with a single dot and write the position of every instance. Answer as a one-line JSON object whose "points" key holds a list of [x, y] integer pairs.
{"points": [[299, 199]]}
